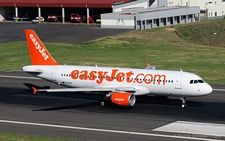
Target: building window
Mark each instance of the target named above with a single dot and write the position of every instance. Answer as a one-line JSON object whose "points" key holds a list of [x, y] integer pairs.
{"points": [[215, 14]]}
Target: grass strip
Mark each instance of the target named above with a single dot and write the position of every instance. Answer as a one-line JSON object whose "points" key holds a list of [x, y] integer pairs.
{"points": [[20, 137]]}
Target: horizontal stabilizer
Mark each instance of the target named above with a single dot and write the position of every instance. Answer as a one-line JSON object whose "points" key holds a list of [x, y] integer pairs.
{"points": [[35, 90]]}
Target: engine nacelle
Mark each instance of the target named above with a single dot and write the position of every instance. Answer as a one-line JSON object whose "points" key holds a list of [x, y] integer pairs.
{"points": [[123, 99]]}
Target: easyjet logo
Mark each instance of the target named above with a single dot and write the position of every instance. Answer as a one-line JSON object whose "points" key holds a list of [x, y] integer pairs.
{"points": [[119, 99], [39, 47], [116, 75]]}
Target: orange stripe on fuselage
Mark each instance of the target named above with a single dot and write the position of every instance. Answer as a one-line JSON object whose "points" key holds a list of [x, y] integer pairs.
{"points": [[119, 76]]}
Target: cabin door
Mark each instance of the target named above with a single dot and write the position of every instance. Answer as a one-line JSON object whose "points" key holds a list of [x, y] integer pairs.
{"points": [[178, 82], [53, 74]]}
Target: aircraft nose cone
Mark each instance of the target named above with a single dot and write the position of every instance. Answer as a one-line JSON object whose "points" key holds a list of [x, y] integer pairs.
{"points": [[208, 89]]}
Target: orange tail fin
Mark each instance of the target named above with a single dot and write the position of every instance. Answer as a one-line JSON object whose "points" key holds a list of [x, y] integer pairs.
{"points": [[38, 53]]}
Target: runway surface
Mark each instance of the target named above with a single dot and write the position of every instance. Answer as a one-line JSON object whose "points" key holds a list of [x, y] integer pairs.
{"points": [[80, 116]]}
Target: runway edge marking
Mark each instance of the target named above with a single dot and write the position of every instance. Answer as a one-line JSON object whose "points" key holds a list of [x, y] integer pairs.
{"points": [[106, 130]]}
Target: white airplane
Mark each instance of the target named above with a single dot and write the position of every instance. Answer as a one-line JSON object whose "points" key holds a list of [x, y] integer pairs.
{"points": [[120, 85]]}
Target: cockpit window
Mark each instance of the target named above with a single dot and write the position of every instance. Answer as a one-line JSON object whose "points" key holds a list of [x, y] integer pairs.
{"points": [[195, 81], [200, 81]]}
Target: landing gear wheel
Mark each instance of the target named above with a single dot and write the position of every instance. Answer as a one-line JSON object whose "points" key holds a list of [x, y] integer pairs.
{"points": [[103, 103], [184, 105]]}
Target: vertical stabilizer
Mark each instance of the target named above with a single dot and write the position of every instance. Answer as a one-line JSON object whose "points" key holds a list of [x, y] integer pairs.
{"points": [[38, 53]]}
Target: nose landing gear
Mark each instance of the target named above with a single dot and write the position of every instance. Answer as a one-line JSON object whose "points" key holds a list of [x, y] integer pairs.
{"points": [[184, 105]]}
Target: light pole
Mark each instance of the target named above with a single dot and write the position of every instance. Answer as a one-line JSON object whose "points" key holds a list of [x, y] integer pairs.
{"points": [[211, 37]]}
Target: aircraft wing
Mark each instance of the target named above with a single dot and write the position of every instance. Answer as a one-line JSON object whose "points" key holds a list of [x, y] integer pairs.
{"points": [[137, 90], [95, 89]]}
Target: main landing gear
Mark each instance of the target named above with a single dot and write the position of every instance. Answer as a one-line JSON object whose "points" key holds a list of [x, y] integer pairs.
{"points": [[106, 100], [184, 105]]}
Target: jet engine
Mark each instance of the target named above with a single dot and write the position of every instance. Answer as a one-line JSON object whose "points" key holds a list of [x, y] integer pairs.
{"points": [[123, 99]]}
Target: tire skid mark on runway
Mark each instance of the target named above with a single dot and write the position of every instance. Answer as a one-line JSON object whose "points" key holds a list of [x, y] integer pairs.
{"points": [[106, 130], [19, 77]]}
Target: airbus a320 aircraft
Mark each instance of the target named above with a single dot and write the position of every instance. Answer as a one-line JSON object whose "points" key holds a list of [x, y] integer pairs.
{"points": [[120, 85]]}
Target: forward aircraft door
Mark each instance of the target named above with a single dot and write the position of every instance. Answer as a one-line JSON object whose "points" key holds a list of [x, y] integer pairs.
{"points": [[53, 74], [179, 82]]}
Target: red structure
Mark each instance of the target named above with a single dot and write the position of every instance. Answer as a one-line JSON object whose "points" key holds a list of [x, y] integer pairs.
{"points": [[61, 3]]}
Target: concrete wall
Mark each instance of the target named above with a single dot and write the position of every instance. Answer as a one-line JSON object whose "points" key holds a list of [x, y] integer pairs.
{"points": [[116, 20], [168, 13], [114, 23]]}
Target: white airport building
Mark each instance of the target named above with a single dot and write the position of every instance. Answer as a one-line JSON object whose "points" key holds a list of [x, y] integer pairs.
{"points": [[210, 9], [144, 14]]}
